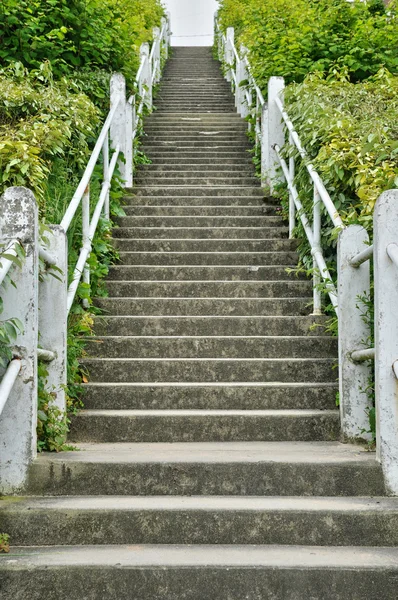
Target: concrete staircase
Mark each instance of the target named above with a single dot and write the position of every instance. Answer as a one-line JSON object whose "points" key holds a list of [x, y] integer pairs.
{"points": [[209, 464]]}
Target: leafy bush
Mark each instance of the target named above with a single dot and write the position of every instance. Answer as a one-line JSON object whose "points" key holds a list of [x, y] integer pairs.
{"points": [[350, 132], [72, 34], [291, 38], [39, 121]]}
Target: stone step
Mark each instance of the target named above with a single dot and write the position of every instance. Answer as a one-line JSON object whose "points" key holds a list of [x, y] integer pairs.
{"points": [[215, 221], [204, 306], [211, 325], [223, 245], [90, 520], [211, 347], [172, 152], [201, 273], [195, 127], [173, 169], [186, 191], [194, 290], [239, 396], [208, 288], [208, 572], [165, 137], [165, 210], [190, 179], [259, 259], [205, 142], [196, 233], [199, 201], [113, 426], [199, 160], [210, 370], [209, 468]]}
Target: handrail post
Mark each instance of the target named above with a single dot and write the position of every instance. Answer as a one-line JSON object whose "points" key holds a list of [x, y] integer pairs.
{"points": [[168, 35], [316, 233], [105, 179], [19, 220], [241, 75], [275, 130], [53, 320], [128, 149], [264, 145], [118, 125], [354, 331], [229, 53], [146, 77], [386, 336], [156, 56], [86, 237], [292, 208]]}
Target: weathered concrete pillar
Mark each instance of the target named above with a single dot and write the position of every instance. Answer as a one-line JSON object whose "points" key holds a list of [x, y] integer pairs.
{"points": [[354, 377], [146, 77], [19, 220], [53, 321], [229, 53], [386, 334], [276, 135], [156, 55], [118, 135], [264, 146]]}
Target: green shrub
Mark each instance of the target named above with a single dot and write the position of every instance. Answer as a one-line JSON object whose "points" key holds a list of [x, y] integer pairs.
{"points": [[292, 38], [41, 120], [72, 34], [350, 132]]}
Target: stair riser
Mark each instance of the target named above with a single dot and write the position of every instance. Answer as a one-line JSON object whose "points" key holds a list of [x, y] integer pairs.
{"points": [[204, 306], [271, 273], [323, 528], [98, 429], [257, 347], [208, 259], [222, 163], [165, 397], [187, 191], [51, 478], [209, 289], [174, 170], [246, 203], [227, 233], [216, 246], [202, 180], [208, 143], [201, 221], [240, 326], [208, 370], [200, 583], [200, 211]]}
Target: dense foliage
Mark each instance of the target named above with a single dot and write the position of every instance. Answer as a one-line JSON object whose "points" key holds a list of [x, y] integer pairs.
{"points": [[72, 34], [56, 59], [291, 38], [350, 132]]}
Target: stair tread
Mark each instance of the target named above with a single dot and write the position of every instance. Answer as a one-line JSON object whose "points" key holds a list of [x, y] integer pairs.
{"points": [[202, 556], [318, 453], [314, 504]]}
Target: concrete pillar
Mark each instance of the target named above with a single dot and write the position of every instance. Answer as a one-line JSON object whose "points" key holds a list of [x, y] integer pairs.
{"points": [[386, 335], [146, 76], [276, 135], [19, 220], [118, 126], [53, 321], [229, 53], [354, 377]]}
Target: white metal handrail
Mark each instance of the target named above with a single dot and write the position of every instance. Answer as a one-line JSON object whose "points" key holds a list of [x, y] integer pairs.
{"points": [[41, 302], [6, 263], [270, 138], [8, 380]]}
